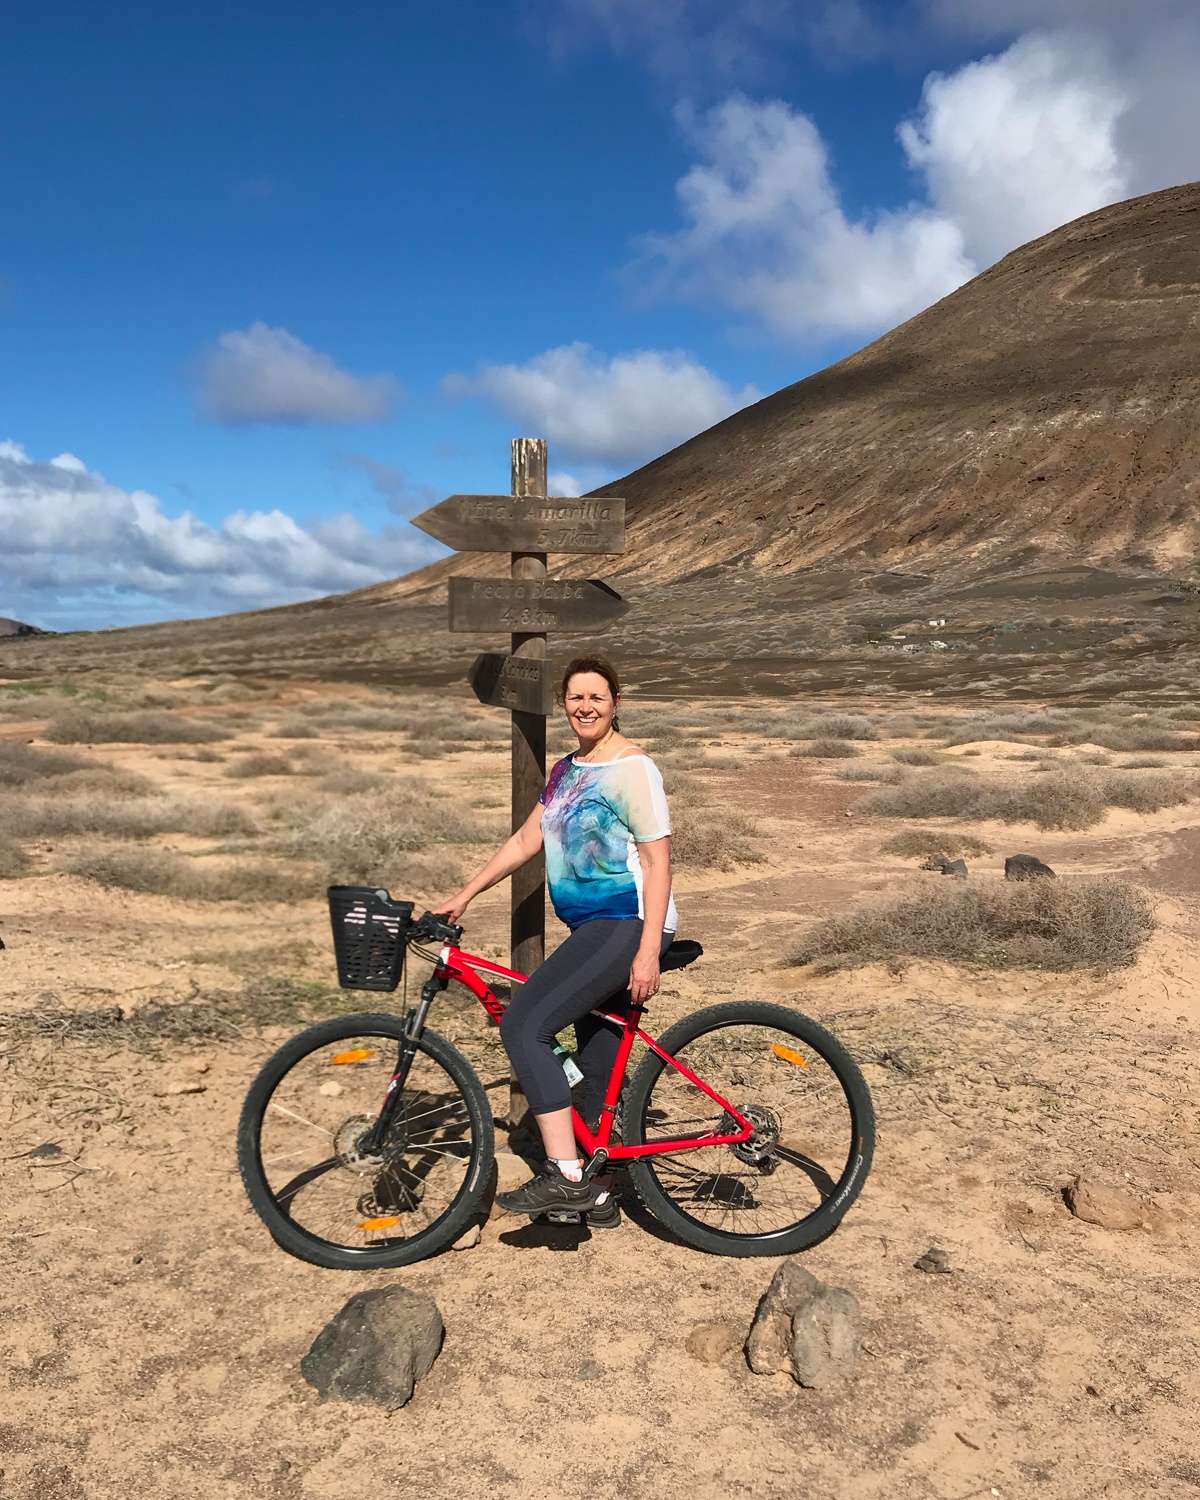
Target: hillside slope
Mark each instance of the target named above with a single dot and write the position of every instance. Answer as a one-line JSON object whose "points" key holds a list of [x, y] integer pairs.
{"points": [[1022, 460]]}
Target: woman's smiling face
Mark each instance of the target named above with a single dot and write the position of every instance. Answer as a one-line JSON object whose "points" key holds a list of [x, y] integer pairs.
{"points": [[590, 706]]}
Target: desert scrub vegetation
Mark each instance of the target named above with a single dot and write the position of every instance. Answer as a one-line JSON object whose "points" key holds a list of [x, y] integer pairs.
{"points": [[21, 763], [1041, 924], [155, 872], [259, 765], [359, 837], [888, 775], [826, 749], [125, 817], [919, 755], [1067, 799], [13, 860], [717, 840], [920, 843], [79, 726]]}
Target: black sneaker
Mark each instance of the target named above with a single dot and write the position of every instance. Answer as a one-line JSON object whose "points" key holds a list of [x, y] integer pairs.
{"points": [[548, 1190], [606, 1215]]}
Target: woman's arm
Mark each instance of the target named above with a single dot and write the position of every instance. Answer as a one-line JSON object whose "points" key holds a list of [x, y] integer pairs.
{"points": [[656, 895], [511, 855]]}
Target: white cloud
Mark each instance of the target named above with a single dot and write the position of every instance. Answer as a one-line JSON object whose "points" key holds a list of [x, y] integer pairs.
{"points": [[1015, 145], [268, 375], [404, 497], [767, 235], [622, 410], [77, 551], [1009, 147]]}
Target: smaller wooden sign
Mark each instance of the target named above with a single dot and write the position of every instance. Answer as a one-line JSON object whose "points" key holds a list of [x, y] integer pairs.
{"points": [[533, 605], [523, 684], [511, 523]]}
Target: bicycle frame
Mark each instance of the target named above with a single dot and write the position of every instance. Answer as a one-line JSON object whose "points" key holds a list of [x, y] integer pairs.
{"points": [[453, 963]]}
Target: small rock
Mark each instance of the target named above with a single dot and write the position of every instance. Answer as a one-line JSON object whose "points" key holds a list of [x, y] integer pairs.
{"points": [[805, 1327], [175, 1089], [468, 1239], [935, 1262], [199, 1065], [1026, 867], [330, 1089], [45, 1151], [375, 1350], [1108, 1207], [944, 866], [710, 1343], [589, 1370]]}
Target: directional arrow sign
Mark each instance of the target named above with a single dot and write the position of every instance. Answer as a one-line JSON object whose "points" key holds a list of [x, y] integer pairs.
{"points": [[525, 684], [533, 604], [507, 523]]}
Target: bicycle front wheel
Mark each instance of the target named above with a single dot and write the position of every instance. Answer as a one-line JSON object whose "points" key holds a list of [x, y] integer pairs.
{"points": [[325, 1194], [789, 1185]]}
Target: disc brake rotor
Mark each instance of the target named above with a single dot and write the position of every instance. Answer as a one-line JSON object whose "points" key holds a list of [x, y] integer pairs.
{"points": [[759, 1150]]}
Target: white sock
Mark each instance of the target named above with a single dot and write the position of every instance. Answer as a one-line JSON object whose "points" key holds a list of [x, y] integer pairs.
{"points": [[602, 1198], [572, 1169]]}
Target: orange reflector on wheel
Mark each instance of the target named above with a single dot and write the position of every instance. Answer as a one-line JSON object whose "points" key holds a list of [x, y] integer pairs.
{"points": [[385, 1223], [358, 1054], [789, 1056]]}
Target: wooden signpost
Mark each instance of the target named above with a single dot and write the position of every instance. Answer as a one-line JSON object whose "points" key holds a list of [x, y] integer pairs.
{"points": [[527, 524]]}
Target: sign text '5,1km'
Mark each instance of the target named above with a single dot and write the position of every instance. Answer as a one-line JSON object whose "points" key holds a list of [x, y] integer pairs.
{"points": [[483, 604]]}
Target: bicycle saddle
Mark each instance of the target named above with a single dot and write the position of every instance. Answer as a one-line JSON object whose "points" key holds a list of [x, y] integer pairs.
{"points": [[681, 953]]}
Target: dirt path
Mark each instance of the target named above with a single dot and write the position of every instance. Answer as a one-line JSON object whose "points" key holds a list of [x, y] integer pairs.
{"points": [[152, 1332]]}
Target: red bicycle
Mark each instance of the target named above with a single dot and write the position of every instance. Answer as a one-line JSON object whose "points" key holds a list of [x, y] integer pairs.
{"points": [[367, 1141]]}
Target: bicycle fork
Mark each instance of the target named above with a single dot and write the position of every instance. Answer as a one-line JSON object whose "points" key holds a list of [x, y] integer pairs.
{"points": [[371, 1141]]}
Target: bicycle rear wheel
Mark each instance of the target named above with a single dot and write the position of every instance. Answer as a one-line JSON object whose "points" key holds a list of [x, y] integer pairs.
{"points": [[324, 1198], [790, 1184]]}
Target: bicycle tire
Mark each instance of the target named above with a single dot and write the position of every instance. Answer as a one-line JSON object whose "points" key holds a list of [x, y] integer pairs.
{"points": [[813, 1227], [300, 1242]]}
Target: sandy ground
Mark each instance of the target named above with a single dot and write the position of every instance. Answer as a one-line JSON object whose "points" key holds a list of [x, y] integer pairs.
{"points": [[152, 1332]]}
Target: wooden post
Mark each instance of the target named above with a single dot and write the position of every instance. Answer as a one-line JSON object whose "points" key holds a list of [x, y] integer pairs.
{"points": [[528, 931]]}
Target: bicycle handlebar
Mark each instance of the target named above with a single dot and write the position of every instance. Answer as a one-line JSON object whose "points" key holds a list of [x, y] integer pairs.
{"points": [[431, 929]]}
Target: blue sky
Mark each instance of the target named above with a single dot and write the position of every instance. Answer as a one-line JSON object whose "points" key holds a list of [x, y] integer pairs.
{"points": [[274, 277]]}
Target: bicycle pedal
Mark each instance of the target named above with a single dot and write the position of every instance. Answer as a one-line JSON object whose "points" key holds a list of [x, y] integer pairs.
{"points": [[561, 1216]]}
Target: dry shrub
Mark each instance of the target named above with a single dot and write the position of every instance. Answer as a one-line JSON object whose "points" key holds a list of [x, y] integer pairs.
{"points": [[347, 782], [848, 727], [157, 873], [717, 841], [919, 756], [359, 837], [13, 861], [1142, 763], [116, 817], [890, 775], [21, 763], [260, 765], [919, 843], [1142, 737], [293, 729], [1147, 793], [1067, 799], [1042, 924], [78, 726], [826, 749], [1012, 726], [902, 726]]}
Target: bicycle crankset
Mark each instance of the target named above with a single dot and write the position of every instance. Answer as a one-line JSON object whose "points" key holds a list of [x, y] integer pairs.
{"points": [[759, 1150]]}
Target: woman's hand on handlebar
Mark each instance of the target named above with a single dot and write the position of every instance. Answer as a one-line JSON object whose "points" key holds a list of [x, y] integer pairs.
{"points": [[643, 977], [452, 908]]}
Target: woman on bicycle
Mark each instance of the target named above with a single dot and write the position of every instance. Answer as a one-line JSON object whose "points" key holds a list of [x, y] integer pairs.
{"points": [[604, 825]]}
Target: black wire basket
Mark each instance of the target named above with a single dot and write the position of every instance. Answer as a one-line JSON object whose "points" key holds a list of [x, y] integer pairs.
{"points": [[369, 936]]}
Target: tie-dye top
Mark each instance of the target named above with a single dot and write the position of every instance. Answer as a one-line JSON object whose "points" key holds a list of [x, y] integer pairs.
{"points": [[595, 817]]}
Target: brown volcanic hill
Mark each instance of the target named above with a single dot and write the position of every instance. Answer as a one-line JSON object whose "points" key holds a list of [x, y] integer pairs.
{"points": [[1022, 459]]}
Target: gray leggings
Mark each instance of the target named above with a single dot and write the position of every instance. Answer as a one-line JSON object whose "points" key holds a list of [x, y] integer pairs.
{"points": [[591, 968]]}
